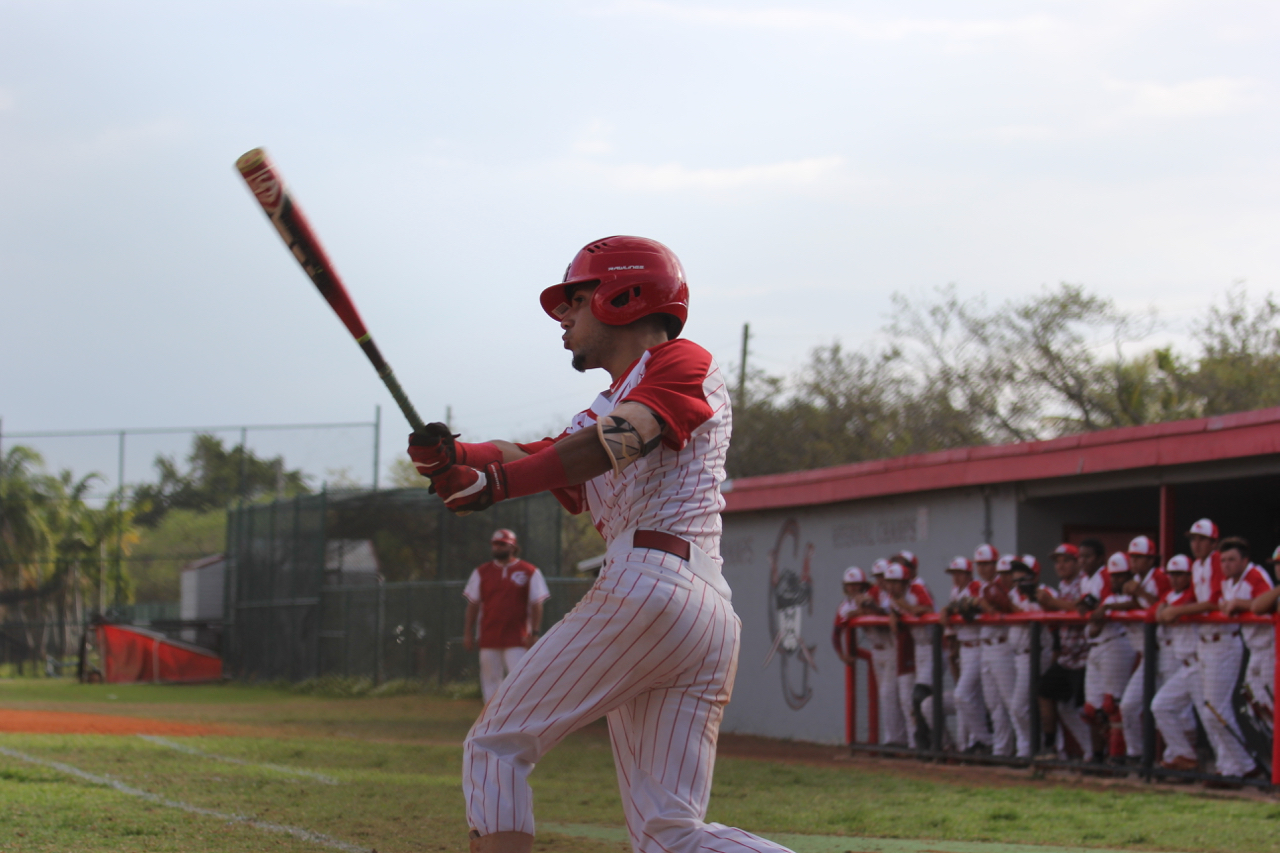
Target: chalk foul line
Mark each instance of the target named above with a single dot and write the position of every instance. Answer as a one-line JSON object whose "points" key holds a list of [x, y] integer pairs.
{"points": [[279, 768], [296, 832]]}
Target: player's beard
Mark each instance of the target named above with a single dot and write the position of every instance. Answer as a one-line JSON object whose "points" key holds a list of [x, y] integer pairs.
{"points": [[585, 354]]}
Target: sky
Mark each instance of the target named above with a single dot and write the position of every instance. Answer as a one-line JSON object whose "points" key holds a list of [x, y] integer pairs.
{"points": [[805, 160]]}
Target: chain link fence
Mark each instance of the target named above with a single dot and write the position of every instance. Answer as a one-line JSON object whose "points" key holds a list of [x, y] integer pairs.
{"points": [[369, 584]]}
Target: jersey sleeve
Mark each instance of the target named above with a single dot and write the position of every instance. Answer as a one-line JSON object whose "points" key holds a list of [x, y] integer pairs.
{"points": [[538, 590], [672, 386], [472, 589], [923, 596], [1258, 581]]}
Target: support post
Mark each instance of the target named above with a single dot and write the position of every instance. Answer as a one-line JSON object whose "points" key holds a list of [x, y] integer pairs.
{"points": [[742, 367], [1037, 725], [1150, 670], [1275, 723], [850, 687], [939, 707], [119, 567], [1168, 523], [379, 628]]}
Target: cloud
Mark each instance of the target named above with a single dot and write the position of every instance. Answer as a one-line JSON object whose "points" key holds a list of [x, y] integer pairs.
{"points": [[594, 138], [782, 18], [674, 177], [1194, 98], [7, 100]]}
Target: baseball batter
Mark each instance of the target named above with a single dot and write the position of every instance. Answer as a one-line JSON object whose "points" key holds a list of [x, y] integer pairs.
{"points": [[653, 646]]}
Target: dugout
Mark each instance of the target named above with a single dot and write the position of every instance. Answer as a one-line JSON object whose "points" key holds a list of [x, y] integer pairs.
{"points": [[789, 537]]}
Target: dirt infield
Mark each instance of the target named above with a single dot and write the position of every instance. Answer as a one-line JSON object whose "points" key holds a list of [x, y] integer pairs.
{"points": [[75, 723]]}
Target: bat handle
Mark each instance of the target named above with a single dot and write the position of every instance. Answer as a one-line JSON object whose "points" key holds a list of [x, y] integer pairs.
{"points": [[402, 399]]}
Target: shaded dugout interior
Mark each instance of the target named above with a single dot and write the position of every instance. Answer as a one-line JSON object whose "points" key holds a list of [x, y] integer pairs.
{"points": [[789, 537]]}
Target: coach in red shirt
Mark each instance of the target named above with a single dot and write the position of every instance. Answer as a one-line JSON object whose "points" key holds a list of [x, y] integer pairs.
{"points": [[506, 594]]}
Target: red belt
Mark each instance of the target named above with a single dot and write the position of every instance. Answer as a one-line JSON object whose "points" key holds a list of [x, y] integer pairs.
{"points": [[991, 642], [658, 541], [969, 644], [1213, 638]]}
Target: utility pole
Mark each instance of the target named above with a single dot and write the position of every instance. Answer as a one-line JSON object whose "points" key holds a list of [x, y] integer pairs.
{"points": [[448, 417], [742, 367]]}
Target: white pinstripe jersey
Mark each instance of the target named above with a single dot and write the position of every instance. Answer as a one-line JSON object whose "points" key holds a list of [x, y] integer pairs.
{"points": [[676, 487]]}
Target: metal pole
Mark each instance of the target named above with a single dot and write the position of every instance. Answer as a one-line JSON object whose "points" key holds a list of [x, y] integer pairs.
{"points": [[1168, 528], [1150, 669], [119, 568], [939, 709], [1037, 725], [244, 456], [742, 367], [377, 443]]}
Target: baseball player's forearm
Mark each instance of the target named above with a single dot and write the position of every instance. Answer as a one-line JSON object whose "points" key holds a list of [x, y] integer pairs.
{"points": [[1266, 602], [469, 621], [535, 617]]}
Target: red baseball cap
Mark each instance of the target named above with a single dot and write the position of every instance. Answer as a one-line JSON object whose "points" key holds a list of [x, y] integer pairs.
{"points": [[985, 554], [854, 574], [503, 535], [895, 572], [1028, 562], [1142, 546], [1204, 527], [1068, 549], [960, 564], [1178, 563], [1118, 563]]}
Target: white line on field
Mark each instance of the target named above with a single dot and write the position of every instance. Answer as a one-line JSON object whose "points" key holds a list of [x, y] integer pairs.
{"points": [[191, 750], [296, 832]]}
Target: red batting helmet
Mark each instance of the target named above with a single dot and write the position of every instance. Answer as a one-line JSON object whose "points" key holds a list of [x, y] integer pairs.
{"points": [[636, 276]]}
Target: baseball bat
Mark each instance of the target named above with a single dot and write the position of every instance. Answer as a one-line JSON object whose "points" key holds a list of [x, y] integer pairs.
{"points": [[267, 187]]}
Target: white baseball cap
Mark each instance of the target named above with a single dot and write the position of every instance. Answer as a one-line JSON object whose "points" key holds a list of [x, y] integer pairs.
{"points": [[503, 535], [962, 564], [1204, 527], [1005, 564], [1118, 563], [1029, 562], [879, 566], [910, 557], [1142, 546], [895, 572], [985, 554], [1066, 549], [853, 574], [1178, 563]]}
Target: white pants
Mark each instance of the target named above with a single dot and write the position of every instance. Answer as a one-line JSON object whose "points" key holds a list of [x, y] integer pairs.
{"points": [[969, 705], [1179, 693], [1108, 670], [1260, 676], [998, 679], [494, 666], [893, 720], [1219, 668], [1022, 698], [923, 639], [654, 647], [1131, 706]]}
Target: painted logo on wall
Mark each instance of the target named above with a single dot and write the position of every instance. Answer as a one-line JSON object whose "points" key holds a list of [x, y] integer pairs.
{"points": [[790, 594]]}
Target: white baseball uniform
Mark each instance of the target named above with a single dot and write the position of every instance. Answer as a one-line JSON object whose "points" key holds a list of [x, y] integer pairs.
{"points": [[895, 682], [1180, 693], [1155, 584], [884, 663], [970, 707], [1110, 656], [918, 595], [653, 646], [1020, 643], [1221, 653], [1260, 671], [998, 677]]}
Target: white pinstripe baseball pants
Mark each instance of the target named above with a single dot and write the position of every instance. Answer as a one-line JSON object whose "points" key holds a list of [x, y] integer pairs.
{"points": [[652, 646]]}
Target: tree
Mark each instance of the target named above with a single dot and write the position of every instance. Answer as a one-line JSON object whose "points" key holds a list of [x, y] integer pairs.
{"points": [[214, 477]]}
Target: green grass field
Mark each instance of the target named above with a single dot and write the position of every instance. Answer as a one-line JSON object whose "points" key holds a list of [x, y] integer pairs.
{"points": [[383, 773]]}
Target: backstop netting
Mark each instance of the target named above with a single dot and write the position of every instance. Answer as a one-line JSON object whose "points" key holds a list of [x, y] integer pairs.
{"points": [[369, 584]]}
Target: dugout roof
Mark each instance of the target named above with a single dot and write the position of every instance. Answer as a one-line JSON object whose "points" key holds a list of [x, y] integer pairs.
{"points": [[1219, 442]]}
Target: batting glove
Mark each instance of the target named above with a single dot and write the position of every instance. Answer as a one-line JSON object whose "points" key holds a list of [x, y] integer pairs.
{"points": [[432, 449], [465, 489]]}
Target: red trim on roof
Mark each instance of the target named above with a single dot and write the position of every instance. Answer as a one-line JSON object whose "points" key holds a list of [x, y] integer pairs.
{"points": [[1175, 443]]}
